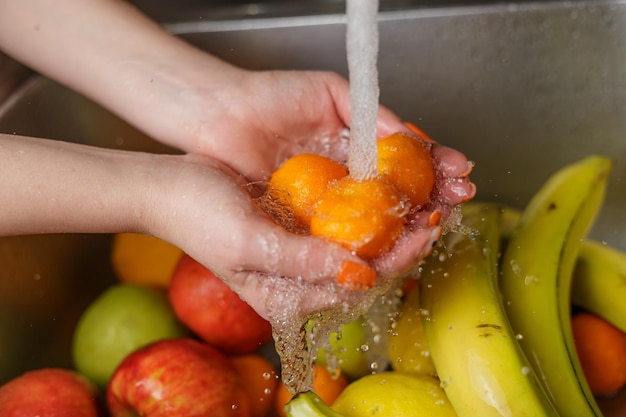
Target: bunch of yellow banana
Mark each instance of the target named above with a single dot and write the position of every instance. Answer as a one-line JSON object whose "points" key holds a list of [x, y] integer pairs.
{"points": [[467, 321]]}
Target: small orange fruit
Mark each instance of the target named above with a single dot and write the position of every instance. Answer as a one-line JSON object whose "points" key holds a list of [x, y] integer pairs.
{"points": [[143, 259], [260, 381], [365, 216], [326, 385], [354, 276], [407, 164], [301, 180], [601, 349]]}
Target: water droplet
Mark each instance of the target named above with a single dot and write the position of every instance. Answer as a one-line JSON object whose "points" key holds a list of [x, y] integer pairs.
{"points": [[517, 270], [531, 280]]}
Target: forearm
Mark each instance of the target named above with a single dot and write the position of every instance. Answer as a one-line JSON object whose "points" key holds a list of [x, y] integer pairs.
{"points": [[109, 51], [54, 187]]}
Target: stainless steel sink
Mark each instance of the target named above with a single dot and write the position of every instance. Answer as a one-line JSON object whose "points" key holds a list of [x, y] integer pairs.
{"points": [[522, 89]]}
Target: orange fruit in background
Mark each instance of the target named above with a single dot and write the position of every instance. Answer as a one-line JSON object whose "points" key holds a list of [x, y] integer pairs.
{"points": [[601, 349], [301, 180], [325, 385], [143, 259], [365, 216], [260, 380], [407, 164]]}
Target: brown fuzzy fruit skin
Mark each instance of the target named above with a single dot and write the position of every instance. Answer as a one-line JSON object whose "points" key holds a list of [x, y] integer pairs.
{"points": [[49, 392], [213, 311], [177, 378]]}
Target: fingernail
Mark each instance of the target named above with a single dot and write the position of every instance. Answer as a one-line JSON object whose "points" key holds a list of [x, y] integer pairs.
{"points": [[470, 168], [471, 195], [355, 276]]}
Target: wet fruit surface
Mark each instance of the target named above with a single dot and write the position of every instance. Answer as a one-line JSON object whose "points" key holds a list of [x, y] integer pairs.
{"points": [[406, 163], [363, 216]]}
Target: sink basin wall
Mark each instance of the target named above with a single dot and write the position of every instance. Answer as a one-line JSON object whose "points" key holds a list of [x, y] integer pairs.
{"points": [[521, 89]]}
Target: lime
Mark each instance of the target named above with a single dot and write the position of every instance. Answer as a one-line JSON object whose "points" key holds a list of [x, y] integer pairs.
{"points": [[347, 346], [122, 319]]}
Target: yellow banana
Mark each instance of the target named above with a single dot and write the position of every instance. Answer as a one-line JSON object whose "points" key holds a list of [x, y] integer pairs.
{"points": [[599, 282], [536, 277], [481, 366]]}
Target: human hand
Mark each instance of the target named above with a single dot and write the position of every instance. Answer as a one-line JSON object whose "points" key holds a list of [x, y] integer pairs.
{"points": [[273, 270], [248, 121], [210, 212]]}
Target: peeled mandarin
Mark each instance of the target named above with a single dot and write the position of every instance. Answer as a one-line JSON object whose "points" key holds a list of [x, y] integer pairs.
{"points": [[407, 164], [301, 180], [365, 216]]}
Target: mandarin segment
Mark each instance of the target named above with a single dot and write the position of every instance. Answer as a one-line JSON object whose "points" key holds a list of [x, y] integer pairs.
{"points": [[364, 216], [407, 164], [301, 180]]}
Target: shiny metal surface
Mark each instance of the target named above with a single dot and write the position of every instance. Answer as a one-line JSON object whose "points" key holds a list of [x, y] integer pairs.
{"points": [[522, 89]]}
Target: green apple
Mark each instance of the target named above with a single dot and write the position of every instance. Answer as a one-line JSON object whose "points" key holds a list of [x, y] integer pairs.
{"points": [[378, 394], [347, 346], [122, 319]]}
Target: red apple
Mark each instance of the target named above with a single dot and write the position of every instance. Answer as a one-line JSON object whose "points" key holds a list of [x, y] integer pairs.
{"points": [[49, 392], [177, 378], [213, 311]]}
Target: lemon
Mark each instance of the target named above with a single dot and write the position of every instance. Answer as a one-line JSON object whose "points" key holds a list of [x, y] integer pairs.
{"points": [[394, 394]]}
